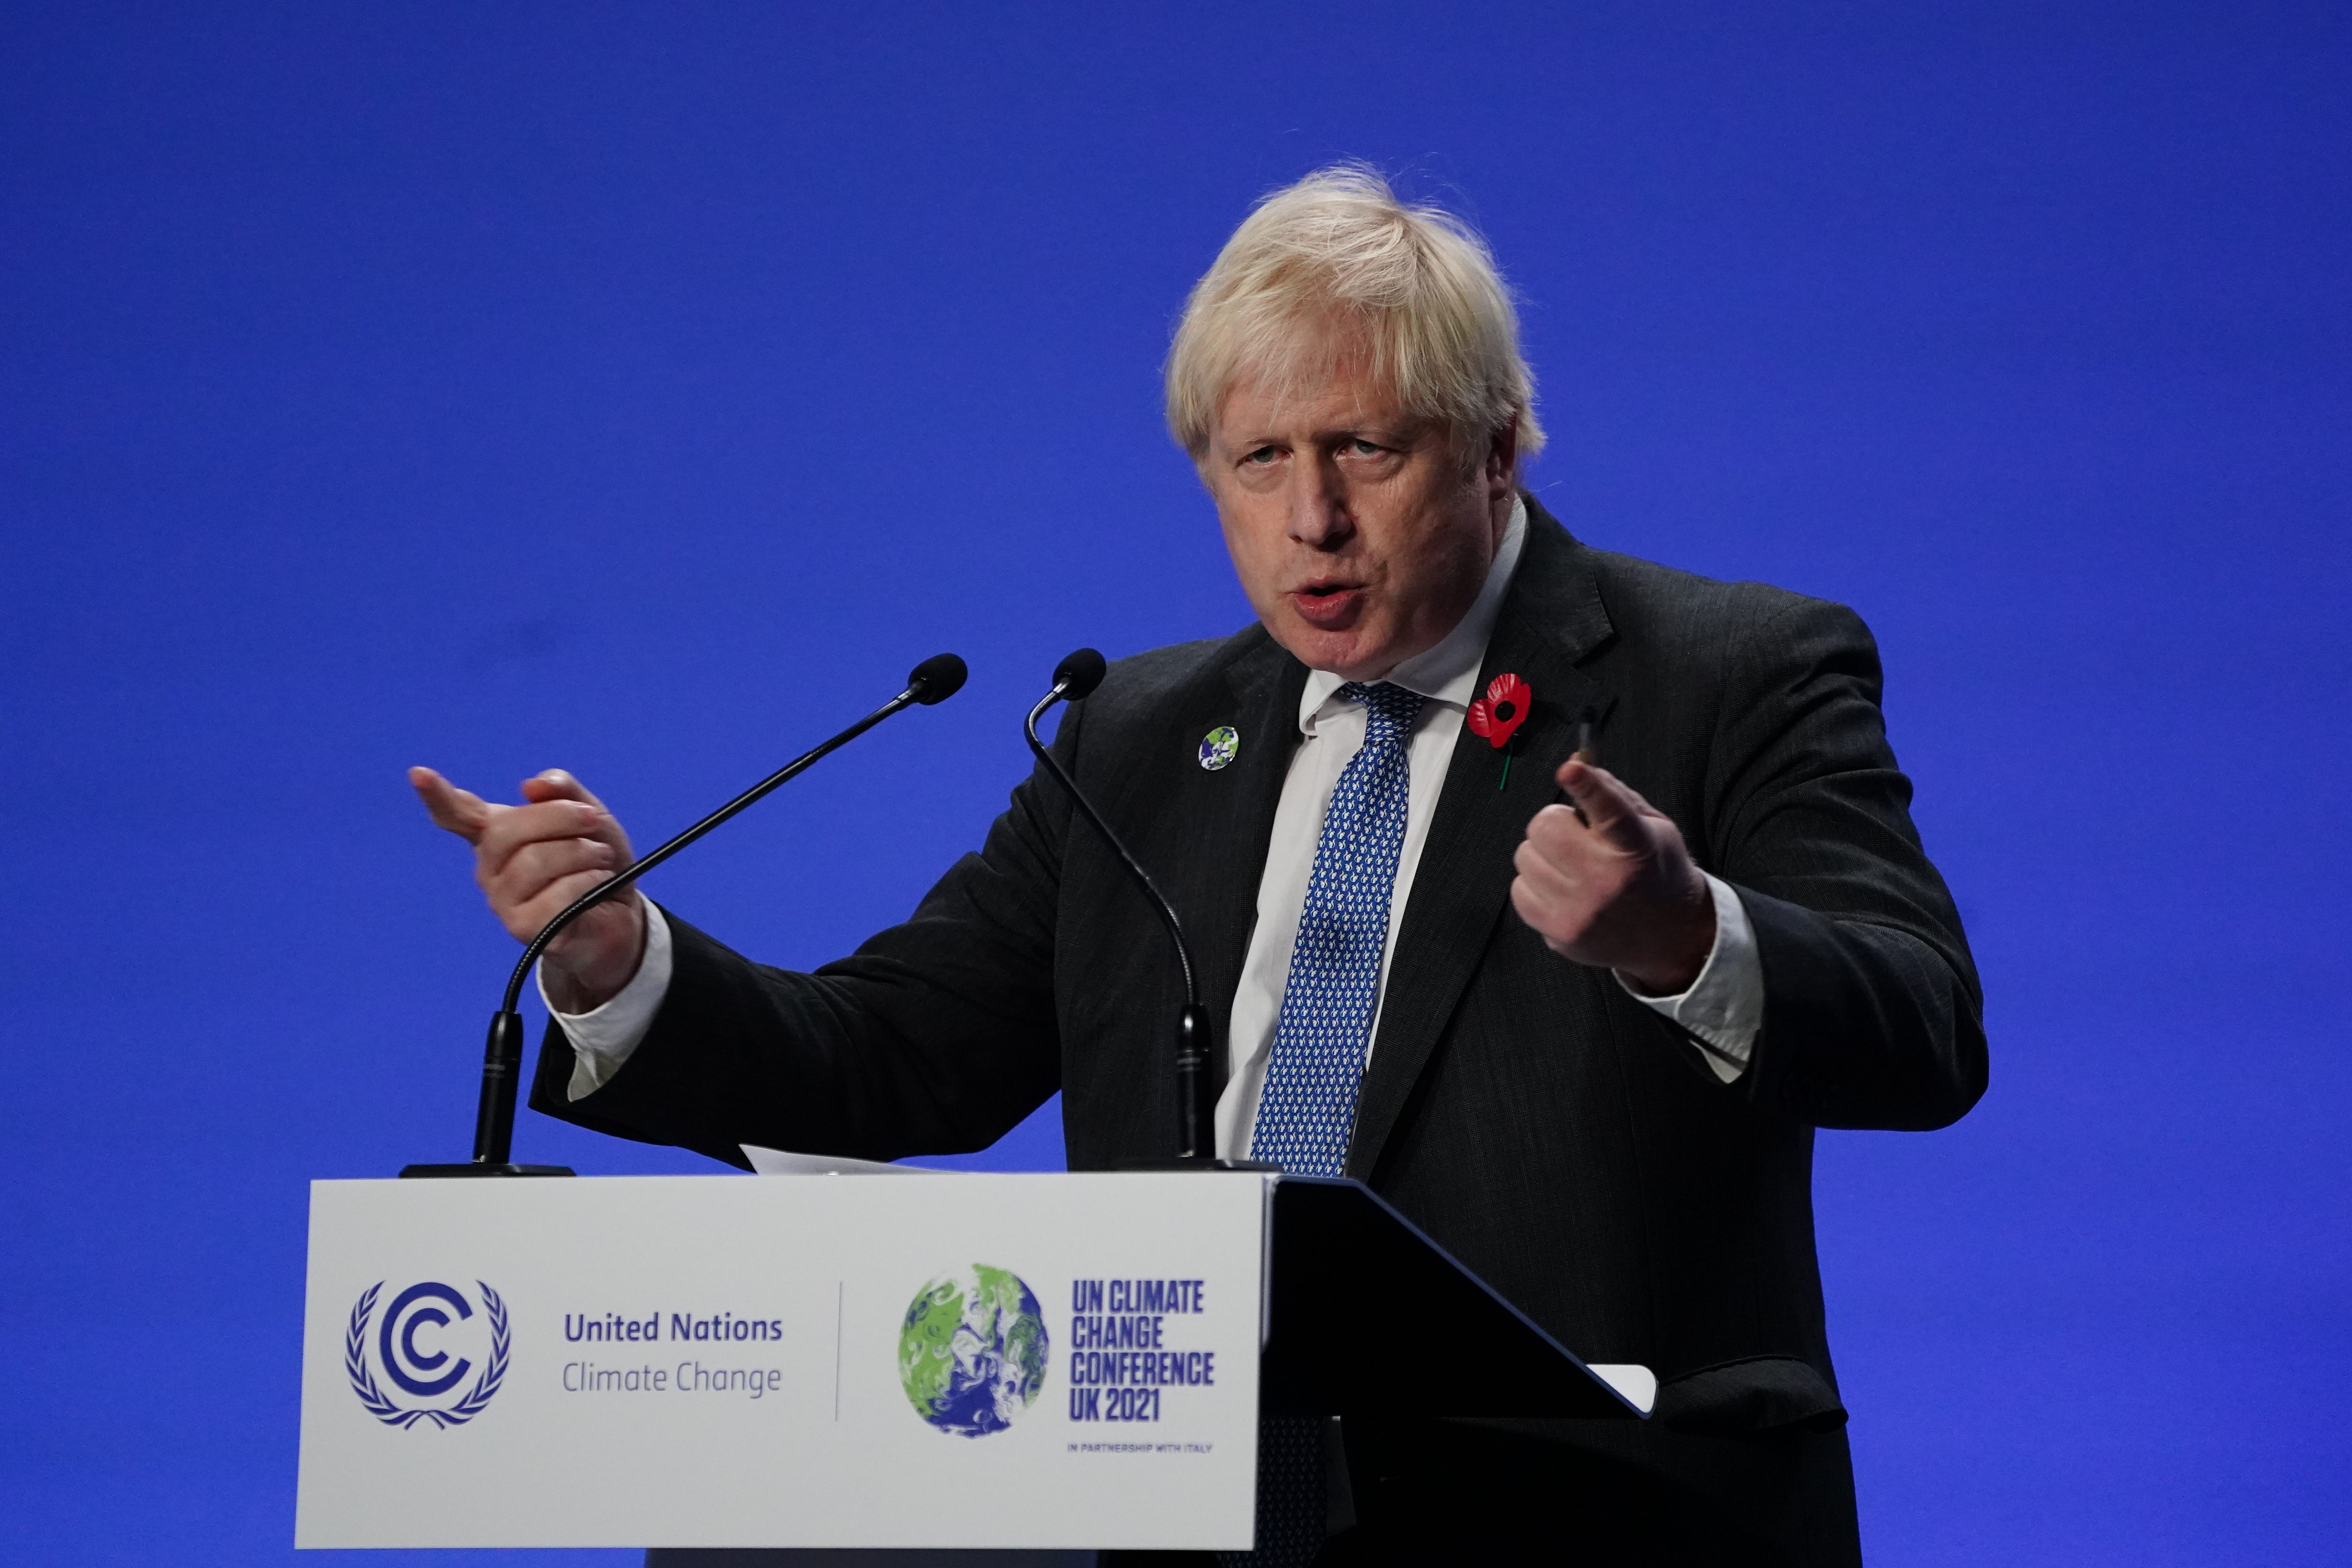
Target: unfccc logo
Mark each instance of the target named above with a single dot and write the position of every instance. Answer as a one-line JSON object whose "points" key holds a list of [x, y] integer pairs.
{"points": [[418, 1348]]}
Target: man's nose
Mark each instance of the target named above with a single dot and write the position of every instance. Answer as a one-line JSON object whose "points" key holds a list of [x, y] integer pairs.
{"points": [[1318, 505]]}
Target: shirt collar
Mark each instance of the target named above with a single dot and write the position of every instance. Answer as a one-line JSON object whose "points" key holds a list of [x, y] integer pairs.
{"points": [[1448, 672]]}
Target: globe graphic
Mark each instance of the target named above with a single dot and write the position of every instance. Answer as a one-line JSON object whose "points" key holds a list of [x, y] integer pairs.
{"points": [[971, 1355]]}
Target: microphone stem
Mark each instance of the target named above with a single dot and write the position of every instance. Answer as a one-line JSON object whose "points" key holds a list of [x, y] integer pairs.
{"points": [[1196, 1094], [1159, 899]]}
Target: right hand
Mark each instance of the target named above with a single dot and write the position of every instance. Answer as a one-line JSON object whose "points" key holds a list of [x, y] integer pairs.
{"points": [[534, 859]]}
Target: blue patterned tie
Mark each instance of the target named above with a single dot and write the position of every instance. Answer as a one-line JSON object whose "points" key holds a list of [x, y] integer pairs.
{"points": [[1308, 1108]]}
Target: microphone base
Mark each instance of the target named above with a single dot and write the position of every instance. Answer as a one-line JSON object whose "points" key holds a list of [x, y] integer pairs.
{"points": [[485, 1169], [1258, 1165]]}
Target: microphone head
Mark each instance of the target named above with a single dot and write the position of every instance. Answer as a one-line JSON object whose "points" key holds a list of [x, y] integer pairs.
{"points": [[937, 678], [1079, 674]]}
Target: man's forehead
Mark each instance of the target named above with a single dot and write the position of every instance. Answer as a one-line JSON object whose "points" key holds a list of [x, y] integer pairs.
{"points": [[1329, 400]]}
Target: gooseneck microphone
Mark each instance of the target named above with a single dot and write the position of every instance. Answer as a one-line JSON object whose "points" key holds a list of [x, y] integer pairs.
{"points": [[1196, 1102], [935, 680]]}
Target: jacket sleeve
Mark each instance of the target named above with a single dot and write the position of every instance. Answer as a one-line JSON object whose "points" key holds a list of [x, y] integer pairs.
{"points": [[1873, 1013], [936, 1036]]}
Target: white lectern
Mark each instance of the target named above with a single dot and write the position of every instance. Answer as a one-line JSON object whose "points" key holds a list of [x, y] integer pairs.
{"points": [[826, 1361]]}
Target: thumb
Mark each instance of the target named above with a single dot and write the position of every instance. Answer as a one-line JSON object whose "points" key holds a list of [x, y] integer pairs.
{"points": [[1612, 810], [461, 812]]}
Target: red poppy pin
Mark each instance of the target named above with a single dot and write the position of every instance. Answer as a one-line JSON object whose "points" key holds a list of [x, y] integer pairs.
{"points": [[1498, 715]]}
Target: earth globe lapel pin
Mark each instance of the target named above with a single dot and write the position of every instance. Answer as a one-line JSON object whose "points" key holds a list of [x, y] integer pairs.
{"points": [[1498, 715], [1219, 747]]}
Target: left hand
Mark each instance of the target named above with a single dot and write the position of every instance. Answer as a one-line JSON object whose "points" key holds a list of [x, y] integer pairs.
{"points": [[1622, 893]]}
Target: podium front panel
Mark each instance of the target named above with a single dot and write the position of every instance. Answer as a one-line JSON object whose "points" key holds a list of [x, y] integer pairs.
{"points": [[956, 1360]]}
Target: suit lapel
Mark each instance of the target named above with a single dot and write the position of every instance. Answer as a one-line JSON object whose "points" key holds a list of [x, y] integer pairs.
{"points": [[1215, 890], [1551, 619]]}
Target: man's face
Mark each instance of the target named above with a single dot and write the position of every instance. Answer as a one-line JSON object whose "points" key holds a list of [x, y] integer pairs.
{"points": [[1357, 533]]}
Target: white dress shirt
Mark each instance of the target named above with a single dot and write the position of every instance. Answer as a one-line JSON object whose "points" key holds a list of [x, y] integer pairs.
{"points": [[1724, 1007]]}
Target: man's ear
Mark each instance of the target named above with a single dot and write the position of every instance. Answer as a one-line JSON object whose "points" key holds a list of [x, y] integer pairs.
{"points": [[1501, 469]]}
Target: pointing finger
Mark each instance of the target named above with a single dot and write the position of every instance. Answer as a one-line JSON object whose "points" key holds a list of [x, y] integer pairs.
{"points": [[461, 812], [1614, 811]]}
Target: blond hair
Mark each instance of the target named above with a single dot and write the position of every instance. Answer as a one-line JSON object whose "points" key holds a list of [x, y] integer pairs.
{"points": [[1338, 249]]}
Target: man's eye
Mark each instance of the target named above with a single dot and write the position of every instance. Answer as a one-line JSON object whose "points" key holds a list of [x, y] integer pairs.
{"points": [[1360, 448], [1264, 455]]}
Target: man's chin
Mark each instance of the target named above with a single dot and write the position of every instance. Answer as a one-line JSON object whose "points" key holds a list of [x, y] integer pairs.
{"points": [[1349, 651]]}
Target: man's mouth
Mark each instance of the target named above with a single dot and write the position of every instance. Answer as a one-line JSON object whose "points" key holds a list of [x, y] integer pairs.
{"points": [[1327, 605]]}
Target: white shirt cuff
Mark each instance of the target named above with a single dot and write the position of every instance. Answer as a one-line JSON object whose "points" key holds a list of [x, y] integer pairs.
{"points": [[1725, 1005], [603, 1038]]}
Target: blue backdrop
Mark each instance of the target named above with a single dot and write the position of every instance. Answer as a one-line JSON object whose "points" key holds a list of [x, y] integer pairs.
{"points": [[643, 389]]}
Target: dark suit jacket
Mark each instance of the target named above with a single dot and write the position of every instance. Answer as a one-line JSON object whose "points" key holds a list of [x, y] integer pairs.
{"points": [[1559, 1138]]}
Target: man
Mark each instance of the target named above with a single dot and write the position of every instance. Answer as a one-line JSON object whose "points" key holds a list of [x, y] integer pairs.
{"points": [[1581, 1038]]}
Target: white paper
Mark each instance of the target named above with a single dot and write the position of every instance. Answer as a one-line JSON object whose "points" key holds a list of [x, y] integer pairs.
{"points": [[784, 1163], [1637, 1384]]}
